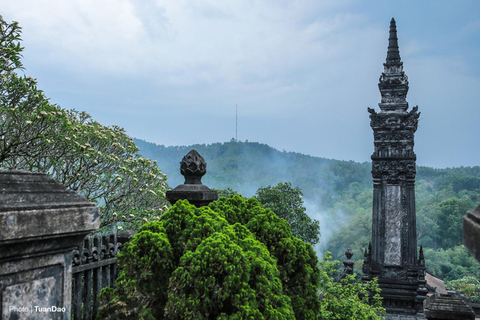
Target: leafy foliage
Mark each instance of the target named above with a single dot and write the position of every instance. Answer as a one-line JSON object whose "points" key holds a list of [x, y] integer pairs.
{"points": [[452, 263], [347, 299], [100, 162], [469, 286], [287, 203], [233, 259]]}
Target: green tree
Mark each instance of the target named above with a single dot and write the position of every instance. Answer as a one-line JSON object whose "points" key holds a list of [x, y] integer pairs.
{"points": [[225, 193], [214, 269], [450, 221], [347, 299], [468, 285], [451, 263], [100, 162], [287, 203]]}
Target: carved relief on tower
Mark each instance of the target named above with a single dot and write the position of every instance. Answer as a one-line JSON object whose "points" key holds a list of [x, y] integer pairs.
{"points": [[393, 171], [393, 136], [387, 98], [387, 79], [405, 226], [393, 68], [397, 121], [398, 151], [412, 118], [394, 273]]}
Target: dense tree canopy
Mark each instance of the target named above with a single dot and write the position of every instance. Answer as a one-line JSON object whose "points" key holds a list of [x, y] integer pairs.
{"points": [[100, 162], [233, 259], [287, 203]]}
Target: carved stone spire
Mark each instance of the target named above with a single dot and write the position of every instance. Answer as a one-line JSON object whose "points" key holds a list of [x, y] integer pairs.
{"points": [[392, 257], [393, 82], [393, 54]]}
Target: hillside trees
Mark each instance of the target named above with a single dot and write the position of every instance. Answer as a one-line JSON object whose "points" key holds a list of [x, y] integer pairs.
{"points": [[440, 205], [100, 162], [287, 203]]}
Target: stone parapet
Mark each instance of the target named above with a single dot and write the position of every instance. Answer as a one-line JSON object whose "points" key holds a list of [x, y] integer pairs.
{"points": [[40, 224]]}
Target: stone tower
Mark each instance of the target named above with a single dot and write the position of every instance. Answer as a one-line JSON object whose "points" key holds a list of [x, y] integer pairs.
{"points": [[392, 254]]}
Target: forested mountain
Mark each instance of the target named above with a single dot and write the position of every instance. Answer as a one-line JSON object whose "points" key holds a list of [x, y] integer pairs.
{"points": [[246, 166], [339, 195]]}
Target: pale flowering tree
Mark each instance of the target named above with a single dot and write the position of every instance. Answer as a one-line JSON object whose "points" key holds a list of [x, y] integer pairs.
{"points": [[100, 162]]}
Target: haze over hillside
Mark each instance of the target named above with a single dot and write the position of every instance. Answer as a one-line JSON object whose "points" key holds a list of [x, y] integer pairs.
{"points": [[334, 191]]}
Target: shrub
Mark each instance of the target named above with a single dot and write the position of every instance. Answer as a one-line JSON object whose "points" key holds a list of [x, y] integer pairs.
{"points": [[195, 264]]}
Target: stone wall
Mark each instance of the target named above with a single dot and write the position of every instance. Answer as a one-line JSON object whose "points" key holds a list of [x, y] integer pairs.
{"points": [[41, 223]]}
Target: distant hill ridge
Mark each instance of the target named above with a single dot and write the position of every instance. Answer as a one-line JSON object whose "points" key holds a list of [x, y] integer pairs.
{"points": [[246, 166]]}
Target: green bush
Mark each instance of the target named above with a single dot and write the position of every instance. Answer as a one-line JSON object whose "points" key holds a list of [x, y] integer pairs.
{"points": [[469, 286], [214, 262]]}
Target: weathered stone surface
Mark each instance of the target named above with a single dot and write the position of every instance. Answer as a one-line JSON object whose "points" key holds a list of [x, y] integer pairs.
{"points": [[392, 255], [447, 306], [471, 232], [41, 223], [193, 167], [393, 226]]}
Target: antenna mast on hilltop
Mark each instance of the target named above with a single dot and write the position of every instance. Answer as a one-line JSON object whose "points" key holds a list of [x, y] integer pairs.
{"points": [[236, 123]]}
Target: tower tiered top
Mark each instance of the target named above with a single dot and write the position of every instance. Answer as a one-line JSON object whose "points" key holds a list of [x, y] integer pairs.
{"points": [[393, 83]]}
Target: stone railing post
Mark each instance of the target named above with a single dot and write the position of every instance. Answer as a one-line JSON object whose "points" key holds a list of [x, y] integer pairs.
{"points": [[41, 223], [193, 167]]}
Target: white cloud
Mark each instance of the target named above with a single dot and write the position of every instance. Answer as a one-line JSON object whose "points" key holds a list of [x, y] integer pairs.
{"points": [[313, 65]]}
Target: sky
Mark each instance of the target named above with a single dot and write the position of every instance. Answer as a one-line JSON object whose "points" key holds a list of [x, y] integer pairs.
{"points": [[301, 73]]}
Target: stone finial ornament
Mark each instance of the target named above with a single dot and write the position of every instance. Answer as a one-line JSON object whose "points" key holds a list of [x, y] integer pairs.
{"points": [[348, 264], [193, 167]]}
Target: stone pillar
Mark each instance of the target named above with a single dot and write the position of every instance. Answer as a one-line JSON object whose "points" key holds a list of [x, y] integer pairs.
{"points": [[193, 167], [471, 231], [40, 224], [393, 254]]}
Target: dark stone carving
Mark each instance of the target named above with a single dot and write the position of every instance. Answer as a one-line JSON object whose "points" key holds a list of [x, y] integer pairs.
{"points": [[42, 223], [193, 167], [97, 248], [448, 306], [392, 254], [348, 264], [471, 231]]}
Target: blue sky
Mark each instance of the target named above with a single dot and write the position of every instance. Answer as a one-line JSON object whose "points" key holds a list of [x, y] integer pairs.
{"points": [[301, 72]]}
